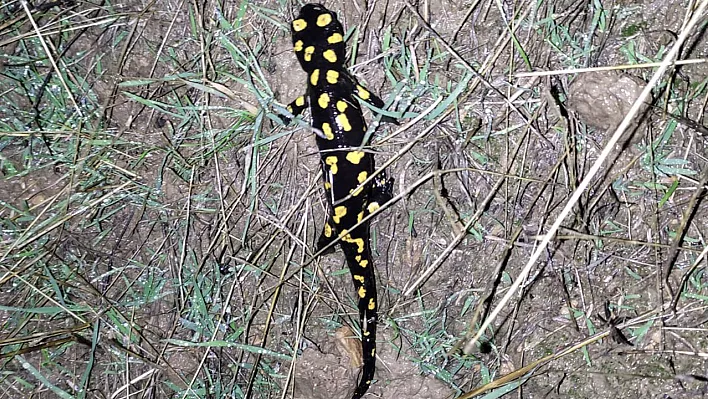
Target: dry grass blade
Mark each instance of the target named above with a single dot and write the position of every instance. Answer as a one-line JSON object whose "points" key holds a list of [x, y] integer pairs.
{"points": [[607, 68]]}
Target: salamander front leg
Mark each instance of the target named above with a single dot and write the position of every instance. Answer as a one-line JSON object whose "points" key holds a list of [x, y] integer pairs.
{"points": [[296, 107]]}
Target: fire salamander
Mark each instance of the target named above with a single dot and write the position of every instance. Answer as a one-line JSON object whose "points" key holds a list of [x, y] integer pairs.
{"points": [[340, 128]]}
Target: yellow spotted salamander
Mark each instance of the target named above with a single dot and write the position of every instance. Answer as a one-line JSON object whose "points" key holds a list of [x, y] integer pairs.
{"points": [[340, 129]]}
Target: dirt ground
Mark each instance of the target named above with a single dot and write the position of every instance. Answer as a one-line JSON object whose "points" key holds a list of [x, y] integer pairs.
{"points": [[161, 244]]}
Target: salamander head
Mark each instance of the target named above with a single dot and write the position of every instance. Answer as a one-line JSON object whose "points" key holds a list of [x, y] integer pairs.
{"points": [[318, 38]]}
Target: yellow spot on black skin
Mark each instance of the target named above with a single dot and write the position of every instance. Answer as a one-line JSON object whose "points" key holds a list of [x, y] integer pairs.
{"points": [[346, 237], [357, 258], [298, 45], [364, 263], [289, 108], [343, 122], [315, 77], [309, 50], [327, 230], [327, 185], [360, 217], [335, 38], [373, 207], [332, 76], [362, 292], [362, 176], [366, 333], [359, 278], [355, 157], [356, 191], [363, 93], [327, 130], [330, 56], [331, 161], [324, 20], [372, 304], [339, 213], [300, 101], [341, 106], [323, 101], [299, 24], [360, 244]]}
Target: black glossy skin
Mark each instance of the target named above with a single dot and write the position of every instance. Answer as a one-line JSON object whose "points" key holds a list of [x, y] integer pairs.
{"points": [[340, 127]]}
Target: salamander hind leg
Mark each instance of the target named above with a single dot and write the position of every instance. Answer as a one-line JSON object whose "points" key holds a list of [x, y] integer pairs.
{"points": [[329, 234], [381, 192]]}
